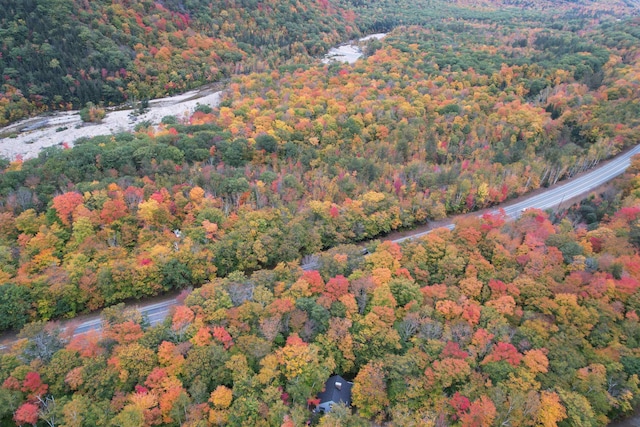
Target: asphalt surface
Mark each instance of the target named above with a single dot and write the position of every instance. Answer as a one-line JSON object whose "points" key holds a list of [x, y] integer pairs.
{"points": [[155, 313], [554, 196], [547, 199]]}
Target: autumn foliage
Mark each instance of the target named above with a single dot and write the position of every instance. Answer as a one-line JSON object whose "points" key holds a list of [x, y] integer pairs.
{"points": [[532, 322], [456, 357]]}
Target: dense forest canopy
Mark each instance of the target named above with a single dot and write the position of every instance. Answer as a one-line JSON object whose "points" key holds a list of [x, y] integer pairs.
{"points": [[525, 323], [462, 106], [436, 120]]}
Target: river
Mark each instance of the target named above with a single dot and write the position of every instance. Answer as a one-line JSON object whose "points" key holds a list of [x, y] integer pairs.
{"points": [[27, 137], [349, 52]]}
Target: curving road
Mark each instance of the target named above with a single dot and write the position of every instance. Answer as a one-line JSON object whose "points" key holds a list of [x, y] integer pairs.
{"points": [[549, 198], [554, 196]]}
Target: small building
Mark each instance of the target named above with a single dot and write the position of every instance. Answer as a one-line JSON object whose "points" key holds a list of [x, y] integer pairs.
{"points": [[336, 390]]}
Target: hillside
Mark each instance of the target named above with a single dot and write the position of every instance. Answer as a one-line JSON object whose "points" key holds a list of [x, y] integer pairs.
{"points": [[384, 15], [64, 53]]}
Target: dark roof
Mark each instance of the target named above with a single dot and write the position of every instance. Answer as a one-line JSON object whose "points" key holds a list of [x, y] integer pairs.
{"points": [[332, 394]]}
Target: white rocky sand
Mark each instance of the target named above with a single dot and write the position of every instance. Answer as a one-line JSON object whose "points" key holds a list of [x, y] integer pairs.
{"points": [[349, 52], [27, 137]]}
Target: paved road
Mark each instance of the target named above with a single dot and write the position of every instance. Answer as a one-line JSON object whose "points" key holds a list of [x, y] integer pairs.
{"points": [[550, 198], [155, 313], [554, 196]]}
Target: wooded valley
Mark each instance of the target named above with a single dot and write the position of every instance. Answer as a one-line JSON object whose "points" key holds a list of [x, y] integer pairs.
{"points": [[462, 106]]}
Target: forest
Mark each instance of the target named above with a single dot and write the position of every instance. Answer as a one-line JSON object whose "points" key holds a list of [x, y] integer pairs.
{"points": [[522, 323], [462, 106], [299, 160]]}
